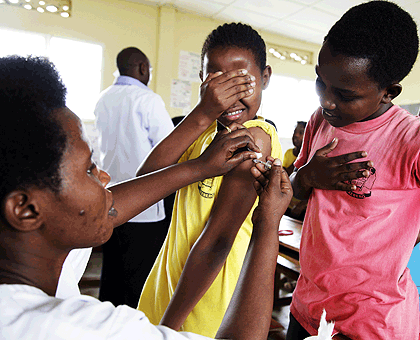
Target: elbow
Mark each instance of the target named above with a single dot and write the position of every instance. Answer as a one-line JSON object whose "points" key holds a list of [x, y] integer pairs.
{"points": [[216, 252], [299, 191]]}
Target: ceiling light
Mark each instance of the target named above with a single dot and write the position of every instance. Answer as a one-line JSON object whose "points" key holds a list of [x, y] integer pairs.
{"points": [[51, 8], [42, 6], [291, 54]]}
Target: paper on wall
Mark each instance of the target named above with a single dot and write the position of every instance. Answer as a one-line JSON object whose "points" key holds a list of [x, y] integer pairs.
{"points": [[189, 66], [181, 94]]}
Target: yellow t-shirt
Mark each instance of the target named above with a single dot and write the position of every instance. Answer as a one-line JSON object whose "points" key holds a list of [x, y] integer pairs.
{"points": [[289, 158], [191, 211]]}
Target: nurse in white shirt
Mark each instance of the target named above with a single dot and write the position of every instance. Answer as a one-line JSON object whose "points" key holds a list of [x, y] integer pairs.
{"points": [[54, 200]]}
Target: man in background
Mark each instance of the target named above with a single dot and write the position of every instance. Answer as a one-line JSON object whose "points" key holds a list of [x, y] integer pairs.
{"points": [[131, 119]]}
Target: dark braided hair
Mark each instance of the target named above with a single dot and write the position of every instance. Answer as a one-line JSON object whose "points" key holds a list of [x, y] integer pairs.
{"points": [[383, 33], [236, 35], [32, 141]]}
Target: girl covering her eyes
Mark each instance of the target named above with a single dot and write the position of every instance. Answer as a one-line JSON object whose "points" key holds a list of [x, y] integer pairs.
{"points": [[211, 222]]}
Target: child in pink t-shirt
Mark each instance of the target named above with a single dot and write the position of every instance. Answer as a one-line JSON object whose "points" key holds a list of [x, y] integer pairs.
{"points": [[360, 169]]}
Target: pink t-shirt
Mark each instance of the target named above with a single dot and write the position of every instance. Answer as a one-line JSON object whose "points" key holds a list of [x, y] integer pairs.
{"points": [[356, 245]]}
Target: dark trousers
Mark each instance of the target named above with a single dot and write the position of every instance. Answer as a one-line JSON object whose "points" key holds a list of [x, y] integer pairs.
{"points": [[295, 330], [128, 257]]}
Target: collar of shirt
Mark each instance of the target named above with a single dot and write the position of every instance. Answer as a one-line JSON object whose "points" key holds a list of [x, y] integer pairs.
{"points": [[126, 80]]}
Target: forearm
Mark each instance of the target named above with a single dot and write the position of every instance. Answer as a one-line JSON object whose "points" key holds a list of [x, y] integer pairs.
{"points": [[133, 196], [301, 187], [249, 313], [202, 264], [170, 149]]}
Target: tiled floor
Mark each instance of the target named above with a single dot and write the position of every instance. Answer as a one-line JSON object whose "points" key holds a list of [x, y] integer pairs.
{"points": [[90, 286]]}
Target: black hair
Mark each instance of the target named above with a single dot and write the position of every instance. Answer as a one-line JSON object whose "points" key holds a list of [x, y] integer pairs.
{"points": [[236, 35], [383, 33], [32, 141], [301, 123], [126, 58]]}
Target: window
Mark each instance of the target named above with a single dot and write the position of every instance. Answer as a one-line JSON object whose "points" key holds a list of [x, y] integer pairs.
{"points": [[79, 64], [288, 100]]}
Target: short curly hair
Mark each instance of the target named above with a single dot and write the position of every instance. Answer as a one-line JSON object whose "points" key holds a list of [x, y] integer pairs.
{"points": [[383, 33], [125, 56], [236, 35], [32, 141]]}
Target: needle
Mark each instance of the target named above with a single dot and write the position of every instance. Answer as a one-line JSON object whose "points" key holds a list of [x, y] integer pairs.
{"points": [[267, 165]]}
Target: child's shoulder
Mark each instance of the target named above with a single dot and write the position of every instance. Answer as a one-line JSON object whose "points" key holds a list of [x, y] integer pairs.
{"points": [[260, 123]]}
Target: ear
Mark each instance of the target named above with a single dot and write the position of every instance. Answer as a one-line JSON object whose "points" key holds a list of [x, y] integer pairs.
{"points": [[143, 68], [266, 75], [201, 75], [21, 210], [391, 92]]}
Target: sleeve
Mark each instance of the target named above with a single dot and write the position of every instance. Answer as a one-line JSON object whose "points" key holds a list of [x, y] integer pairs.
{"points": [[83, 317], [159, 123], [310, 129], [288, 158], [72, 271]]}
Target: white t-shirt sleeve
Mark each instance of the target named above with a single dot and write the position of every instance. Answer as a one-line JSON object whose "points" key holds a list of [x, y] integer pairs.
{"points": [[28, 313], [72, 271]]}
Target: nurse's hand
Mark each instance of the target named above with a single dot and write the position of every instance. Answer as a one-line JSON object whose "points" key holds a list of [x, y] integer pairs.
{"points": [[226, 151], [274, 189]]}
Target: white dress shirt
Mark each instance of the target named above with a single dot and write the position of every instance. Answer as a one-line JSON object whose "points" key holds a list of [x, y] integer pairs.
{"points": [[131, 119], [27, 312]]}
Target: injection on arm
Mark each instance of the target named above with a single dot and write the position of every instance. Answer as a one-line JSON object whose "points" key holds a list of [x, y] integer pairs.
{"points": [[267, 165]]}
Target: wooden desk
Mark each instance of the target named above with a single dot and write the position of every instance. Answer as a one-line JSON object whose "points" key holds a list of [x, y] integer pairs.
{"points": [[289, 244], [288, 258]]}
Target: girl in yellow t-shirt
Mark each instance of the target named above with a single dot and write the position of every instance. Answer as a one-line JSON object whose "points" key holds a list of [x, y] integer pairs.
{"points": [[198, 266]]}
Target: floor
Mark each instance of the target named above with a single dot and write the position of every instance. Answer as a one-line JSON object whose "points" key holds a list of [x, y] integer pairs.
{"points": [[89, 285]]}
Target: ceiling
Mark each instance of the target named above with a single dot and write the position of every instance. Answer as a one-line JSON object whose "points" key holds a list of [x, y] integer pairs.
{"points": [[307, 20]]}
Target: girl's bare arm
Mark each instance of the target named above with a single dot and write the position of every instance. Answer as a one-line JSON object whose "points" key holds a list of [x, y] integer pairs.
{"points": [[235, 199]]}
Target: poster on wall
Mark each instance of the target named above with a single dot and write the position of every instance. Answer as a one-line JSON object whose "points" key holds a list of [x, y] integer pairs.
{"points": [[189, 66], [181, 95]]}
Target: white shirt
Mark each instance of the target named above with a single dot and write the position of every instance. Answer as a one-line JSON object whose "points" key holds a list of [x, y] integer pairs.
{"points": [[72, 271], [131, 119], [27, 312]]}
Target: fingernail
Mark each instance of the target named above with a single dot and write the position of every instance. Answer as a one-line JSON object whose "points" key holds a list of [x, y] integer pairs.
{"points": [[250, 91], [364, 153], [277, 161], [252, 84], [258, 154], [244, 71], [370, 163], [252, 77]]}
